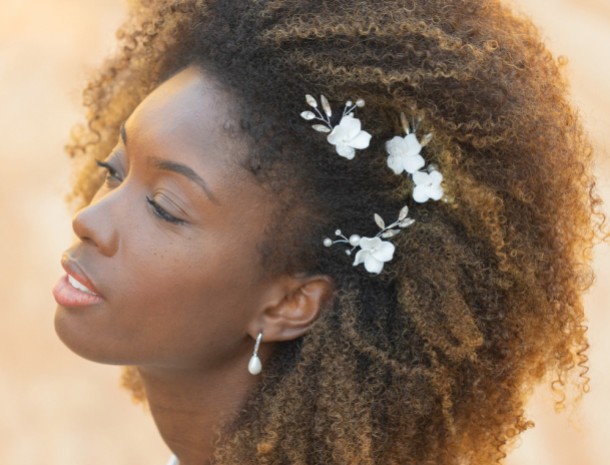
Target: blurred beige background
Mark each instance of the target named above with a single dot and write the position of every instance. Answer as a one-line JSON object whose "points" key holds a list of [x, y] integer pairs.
{"points": [[58, 409]]}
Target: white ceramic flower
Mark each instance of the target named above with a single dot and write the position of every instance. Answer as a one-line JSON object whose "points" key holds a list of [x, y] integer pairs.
{"points": [[404, 154], [348, 136], [427, 186], [374, 253]]}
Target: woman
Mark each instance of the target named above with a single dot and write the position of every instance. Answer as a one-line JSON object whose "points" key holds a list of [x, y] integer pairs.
{"points": [[258, 142]]}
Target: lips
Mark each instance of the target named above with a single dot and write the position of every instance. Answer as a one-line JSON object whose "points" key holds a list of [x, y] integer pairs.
{"points": [[75, 272], [75, 289], [77, 285]]}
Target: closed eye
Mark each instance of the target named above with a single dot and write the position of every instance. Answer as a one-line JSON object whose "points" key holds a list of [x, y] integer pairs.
{"points": [[159, 211], [112, 174], [114, 178]]}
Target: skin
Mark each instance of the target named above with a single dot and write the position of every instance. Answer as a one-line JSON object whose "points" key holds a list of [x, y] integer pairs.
{"points": [[183, 301]]}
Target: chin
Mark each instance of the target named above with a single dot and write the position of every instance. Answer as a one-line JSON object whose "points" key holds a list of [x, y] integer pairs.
{"points": [[85, 341]]}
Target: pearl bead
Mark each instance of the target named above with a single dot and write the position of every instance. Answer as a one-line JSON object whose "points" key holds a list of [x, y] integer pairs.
{"points": [[354, 240], [254, 365]]}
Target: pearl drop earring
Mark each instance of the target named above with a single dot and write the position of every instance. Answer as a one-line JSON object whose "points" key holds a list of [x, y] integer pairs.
{"points": [[254, 365]]}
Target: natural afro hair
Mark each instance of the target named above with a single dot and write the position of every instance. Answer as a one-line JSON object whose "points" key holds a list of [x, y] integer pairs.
{"points": [[429, 362]]}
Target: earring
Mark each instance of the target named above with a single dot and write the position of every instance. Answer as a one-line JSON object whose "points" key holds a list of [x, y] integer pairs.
{"points": [[254, 365]]}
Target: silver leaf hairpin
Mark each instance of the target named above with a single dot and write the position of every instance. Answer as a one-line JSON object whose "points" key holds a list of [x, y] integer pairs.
{"points": [[404, 155], [347, 135], [374, 251]]}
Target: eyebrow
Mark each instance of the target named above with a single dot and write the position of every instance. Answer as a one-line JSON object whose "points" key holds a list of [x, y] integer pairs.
{"points": [[184, 170], [123, 134], [175, 167]]}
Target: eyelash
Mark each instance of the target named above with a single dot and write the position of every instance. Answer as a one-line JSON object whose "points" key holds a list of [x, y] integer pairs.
{"points": [[113, 175], [161, 213]]}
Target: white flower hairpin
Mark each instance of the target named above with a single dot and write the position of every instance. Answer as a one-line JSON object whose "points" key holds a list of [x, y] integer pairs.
{"points": [[347, 135], [404, 154], [374, 251]]}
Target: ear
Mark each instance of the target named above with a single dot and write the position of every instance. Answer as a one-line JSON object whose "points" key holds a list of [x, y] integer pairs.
{"points": [[296, 304]]}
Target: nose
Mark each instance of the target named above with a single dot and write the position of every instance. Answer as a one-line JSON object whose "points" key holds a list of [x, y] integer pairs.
{"points": [[94, 225]]}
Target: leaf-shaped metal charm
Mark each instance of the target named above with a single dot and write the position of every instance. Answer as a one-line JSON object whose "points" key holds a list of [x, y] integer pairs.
{"points": [[426, 139], [311, 101], [406, 222], [390, 233], [308, 115], [325, 105], [379, 221], [404, 212], [404, 123], [321, 128]]}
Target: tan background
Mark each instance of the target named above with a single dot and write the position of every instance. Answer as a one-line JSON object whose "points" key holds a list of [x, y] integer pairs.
{"points": [[56, 409]]}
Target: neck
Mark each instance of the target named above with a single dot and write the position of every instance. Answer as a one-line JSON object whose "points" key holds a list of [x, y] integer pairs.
{"points": [[189, 408]]}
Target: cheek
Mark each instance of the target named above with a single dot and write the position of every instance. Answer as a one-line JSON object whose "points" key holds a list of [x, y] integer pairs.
{"points": [[172, 297], [192, 297]]}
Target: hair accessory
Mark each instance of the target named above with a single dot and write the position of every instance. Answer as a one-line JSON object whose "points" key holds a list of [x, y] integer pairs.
{"points": [[347, 135], [254, 365], [404, 155], [374, 251]]}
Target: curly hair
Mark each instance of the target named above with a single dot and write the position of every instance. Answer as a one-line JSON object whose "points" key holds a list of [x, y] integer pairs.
{"points": [[431, 361]]}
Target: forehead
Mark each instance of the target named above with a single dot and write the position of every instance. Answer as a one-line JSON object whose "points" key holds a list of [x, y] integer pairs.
{"points": [[188, 108], [186, 120]]}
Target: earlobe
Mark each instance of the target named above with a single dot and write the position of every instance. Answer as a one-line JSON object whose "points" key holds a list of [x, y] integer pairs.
{"points": [[304, 300]]}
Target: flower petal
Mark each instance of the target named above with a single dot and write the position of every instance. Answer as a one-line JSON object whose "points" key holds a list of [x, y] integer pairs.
{"points": [[361, 141], [351, 125], [413, 163], [435, 177], [384, 252], [360, 256], [420, 178], [396, 146], [369, 243], [346, 151], [435, 192], [412, 144], [420, 194], [372, 265], [395, 164], [337, 135]]}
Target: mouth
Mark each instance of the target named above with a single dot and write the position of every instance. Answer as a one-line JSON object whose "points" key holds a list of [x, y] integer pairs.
{"points": [[79, 286], [75, 289]]}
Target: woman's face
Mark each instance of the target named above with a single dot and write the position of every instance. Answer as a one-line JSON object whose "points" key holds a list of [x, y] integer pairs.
{"points": [[171, 240]]}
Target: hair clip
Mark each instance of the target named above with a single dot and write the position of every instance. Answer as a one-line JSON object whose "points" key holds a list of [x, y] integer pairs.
{"points": [[347, 135], [404, 154], [374, 251]]}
